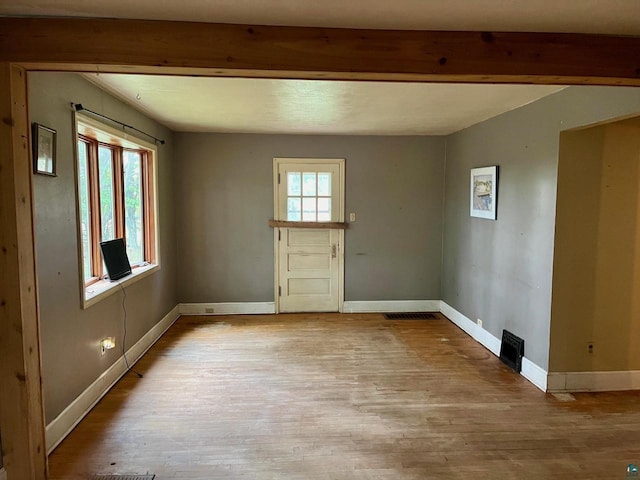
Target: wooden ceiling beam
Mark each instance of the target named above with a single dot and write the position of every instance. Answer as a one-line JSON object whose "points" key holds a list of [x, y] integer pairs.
{"points": [[141, 46]]}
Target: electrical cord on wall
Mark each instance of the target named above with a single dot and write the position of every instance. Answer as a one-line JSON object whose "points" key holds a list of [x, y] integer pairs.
{"points": [[124, 335]]}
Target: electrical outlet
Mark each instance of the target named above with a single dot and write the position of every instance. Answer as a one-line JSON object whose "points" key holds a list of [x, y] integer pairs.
{"points": [[107, 344], [352, 217], [590, 347], [208, 310], [480, 323]]}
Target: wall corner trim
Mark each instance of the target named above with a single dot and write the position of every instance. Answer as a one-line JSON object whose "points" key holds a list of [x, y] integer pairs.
{"points": [[594, 381], [530, 371], [64, 423], [230, 308], [382, 306]]}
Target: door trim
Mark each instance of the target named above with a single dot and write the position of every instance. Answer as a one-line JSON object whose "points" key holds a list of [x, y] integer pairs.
{"points": [[277, 161]]}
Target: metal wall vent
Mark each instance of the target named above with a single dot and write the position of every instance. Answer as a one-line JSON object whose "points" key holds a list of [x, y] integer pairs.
{"points": [[147, 476], [512, 350], [409, 316]]}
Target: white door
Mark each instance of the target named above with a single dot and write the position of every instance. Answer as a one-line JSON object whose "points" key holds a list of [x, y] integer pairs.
{"points": [[309, 260]]}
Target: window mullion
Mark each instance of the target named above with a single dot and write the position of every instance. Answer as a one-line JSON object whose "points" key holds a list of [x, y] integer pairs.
{"points": [[118, 192], [94, 208], [148, 213]]}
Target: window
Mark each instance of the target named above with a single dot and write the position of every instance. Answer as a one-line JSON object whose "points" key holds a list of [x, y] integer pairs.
{"points": [[116, 197], [309, 196]]}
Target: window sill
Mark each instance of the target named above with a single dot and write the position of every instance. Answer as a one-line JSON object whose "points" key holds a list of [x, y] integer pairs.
{"points": [[105, 288]]}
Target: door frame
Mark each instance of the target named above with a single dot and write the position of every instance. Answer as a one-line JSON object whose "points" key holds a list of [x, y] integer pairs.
{"points": [[277, 161]]}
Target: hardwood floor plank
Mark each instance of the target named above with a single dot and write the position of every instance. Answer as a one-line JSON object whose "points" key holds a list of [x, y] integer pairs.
{"points": [[328, 396]]}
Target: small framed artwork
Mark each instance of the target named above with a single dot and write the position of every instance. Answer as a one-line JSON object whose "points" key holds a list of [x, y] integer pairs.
{"points": [[484, 192], [44, 150]]}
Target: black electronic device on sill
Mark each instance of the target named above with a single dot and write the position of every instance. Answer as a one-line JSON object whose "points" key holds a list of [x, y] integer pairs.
{"points": [[115, 258]]}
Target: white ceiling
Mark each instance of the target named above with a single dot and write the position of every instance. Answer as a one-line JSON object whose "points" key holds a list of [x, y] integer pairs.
{"points": [[298, 106], [586, 16], [196, 104]]}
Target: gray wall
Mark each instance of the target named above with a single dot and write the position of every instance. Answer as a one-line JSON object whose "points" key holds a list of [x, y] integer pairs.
{"points": [[224, 199], [70, 336], [500, 271]]}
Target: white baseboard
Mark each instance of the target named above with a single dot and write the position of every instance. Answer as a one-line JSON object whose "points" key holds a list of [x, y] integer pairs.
{"points": [[383, 306], [62, 425], [476, 332], [594, 381], [239, 308], [530, 371], [534, 373]]}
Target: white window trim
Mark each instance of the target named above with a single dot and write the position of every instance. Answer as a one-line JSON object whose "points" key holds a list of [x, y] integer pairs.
{"points": [[102, 289], [105, 288], [277, 161]]}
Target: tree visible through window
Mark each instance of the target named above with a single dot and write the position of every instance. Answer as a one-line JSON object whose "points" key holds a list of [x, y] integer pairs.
{"points": [[115, 193], [106, 180], [133, 193], [85, 217]]}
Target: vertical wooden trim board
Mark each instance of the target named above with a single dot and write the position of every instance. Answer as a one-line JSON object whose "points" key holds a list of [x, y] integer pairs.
{"points": [[21, 410]]}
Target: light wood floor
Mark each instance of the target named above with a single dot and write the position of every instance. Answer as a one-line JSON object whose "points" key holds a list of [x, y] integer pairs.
{"points": [[342, 397]]}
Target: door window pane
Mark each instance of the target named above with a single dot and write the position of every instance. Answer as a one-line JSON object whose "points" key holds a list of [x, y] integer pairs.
{"points": [[294, 184], [133, 201], [324, 209], [309, 209], [324, 184], [85, 219], [293, 209], [309, 184], [309, 196], [105, 176]]}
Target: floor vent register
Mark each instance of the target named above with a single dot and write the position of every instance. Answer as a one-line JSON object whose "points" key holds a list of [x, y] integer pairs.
{"points": [[410, 316], [146, 476], [512, 350]]}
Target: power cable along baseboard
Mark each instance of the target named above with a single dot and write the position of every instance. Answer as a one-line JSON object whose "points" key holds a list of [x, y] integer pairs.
{"points": [[124, 335]]}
